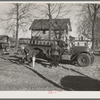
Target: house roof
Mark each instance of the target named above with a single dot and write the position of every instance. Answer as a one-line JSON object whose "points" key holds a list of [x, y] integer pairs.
{"points": [[86, 35], [56, 24], [3, 36]]}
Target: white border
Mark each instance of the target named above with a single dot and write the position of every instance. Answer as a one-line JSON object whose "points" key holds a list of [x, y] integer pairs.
{"points": [[45, 94], [76, 2]]}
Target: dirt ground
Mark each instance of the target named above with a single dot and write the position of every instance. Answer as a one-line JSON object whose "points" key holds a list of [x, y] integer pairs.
{"points": [[66, 77]]}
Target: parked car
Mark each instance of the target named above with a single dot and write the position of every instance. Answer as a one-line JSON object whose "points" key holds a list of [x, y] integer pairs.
{"points": [[4, 43]]}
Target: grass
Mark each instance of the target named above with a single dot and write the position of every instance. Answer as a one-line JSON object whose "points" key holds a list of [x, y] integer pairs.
{"points": [[14, 77], [40, 78]]}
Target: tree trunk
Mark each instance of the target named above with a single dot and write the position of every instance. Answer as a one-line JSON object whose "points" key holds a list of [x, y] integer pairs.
{"points": [[93, 27], [50, 19], [93, 35], [17, 25]]}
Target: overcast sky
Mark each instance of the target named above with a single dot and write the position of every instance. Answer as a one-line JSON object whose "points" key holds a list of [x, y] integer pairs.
{"points": [[75, 9]]}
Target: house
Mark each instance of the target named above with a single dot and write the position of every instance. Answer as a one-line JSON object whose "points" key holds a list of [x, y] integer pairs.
{"points": [[58, 27], [84, 39], [4, 38], [84, 36], [88, 37]]}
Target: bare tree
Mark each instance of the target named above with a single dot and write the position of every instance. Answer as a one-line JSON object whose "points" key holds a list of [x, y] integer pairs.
{"points": [[93, 12], [17, 18], [90, 14], [50, 19], [53, 11]]}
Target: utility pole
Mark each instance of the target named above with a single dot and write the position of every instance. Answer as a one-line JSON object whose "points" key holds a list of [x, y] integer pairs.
{"points": [[50, 20]]}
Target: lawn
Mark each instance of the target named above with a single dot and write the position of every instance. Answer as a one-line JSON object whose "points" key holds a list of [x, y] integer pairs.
{"points": [[66, 77]]}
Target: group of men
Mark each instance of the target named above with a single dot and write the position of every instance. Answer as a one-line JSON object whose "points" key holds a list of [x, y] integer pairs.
{"points": [[55, 54]]}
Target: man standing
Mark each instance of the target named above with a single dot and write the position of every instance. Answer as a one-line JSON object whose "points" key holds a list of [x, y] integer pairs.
{"points": [[55, 54], [30, 55], [25, 53]]}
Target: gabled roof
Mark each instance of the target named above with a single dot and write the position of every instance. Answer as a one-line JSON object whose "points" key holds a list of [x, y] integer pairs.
{"points": [[3, 36], [86, 35], [56, 24]]}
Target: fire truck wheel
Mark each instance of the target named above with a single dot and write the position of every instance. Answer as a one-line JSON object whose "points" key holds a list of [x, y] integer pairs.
{"points": [[19, 52], [41, 55], [84, 60]]}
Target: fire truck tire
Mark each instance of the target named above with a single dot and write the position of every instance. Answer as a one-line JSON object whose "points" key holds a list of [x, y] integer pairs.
{"points": [[19, 52], [41, 55], [84, 60]]}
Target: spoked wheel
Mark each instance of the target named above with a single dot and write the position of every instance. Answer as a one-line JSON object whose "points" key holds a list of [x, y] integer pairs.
{"points": [[20, 52], [84, 60], [41, 55]]}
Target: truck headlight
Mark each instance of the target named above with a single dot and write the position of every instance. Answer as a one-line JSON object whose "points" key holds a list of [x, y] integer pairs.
{"points": [[91, 51], [22, 46]]}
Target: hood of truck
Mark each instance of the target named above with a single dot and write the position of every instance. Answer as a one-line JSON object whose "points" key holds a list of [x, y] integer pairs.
{"points": [[77, 49]]}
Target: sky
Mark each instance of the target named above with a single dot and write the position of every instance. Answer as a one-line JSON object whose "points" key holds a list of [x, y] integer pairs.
{"points": [[75, 10]]}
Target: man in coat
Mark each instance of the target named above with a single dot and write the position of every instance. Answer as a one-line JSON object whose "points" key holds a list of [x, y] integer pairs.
{"points": [[55, 54], [29, 55]]}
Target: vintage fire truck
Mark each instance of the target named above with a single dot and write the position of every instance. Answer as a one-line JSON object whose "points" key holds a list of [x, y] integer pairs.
{"points": [[82, 55]]}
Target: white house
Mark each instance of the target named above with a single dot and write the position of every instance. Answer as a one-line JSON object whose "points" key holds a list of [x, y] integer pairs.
{"points": [[85, 39]]}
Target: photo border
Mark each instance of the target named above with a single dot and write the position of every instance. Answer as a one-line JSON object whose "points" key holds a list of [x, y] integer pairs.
{"points": [[7, 96]]}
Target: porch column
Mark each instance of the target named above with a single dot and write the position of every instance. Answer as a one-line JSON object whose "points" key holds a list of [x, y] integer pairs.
{"points": [[31, 33]]}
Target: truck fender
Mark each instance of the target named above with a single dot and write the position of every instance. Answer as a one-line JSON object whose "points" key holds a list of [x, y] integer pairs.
{"points": [[74, 56], [40, 50]]}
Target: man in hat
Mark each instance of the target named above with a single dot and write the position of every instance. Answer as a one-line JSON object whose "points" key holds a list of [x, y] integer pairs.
{"points": [[55, 54]]}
